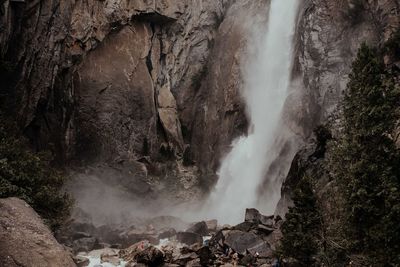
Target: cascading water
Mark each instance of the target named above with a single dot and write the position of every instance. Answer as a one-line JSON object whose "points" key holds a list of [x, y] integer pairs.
{"points": [[266, 83]]}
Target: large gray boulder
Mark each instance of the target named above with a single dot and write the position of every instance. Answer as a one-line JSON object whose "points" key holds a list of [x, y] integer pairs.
{"points": [[25, 240], [243, 241], [199, 228], [189, 238]]}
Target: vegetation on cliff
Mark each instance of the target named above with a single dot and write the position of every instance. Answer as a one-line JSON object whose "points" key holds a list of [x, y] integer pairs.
{"points": [[302, 225], [363, 165], [29, 176], [366, 162]]}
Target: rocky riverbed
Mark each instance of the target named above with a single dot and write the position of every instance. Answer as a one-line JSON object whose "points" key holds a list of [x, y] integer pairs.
{"points": [[169, 241]]}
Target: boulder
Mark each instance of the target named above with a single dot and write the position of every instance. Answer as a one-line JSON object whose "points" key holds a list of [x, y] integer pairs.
{"points": [[205, 256], [183, 259], [264, 230], [254, 216], [274, 238], [245, 226], [142, 253], [162, 222], [110, 256], [79, 235], [109, 234], [25, 240], [81, 261], [247, 260], [167, 233], [151, 256], [130, 253], [134, 236], [85, 244], [199, 228], [194, 263], [242, 241], [212, 225], [189, 238]]}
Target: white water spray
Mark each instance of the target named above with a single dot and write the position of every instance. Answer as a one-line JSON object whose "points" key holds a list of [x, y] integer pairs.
{"points": [[266, 82]]}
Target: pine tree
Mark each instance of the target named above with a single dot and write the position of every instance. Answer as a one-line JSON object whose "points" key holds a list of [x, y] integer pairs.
{"points": [[301, 227], [366, 162]]}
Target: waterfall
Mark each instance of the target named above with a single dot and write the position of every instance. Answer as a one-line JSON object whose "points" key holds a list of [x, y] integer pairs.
{"points": [[266, 80]]}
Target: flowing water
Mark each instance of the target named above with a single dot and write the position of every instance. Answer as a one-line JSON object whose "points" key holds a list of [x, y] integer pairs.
{"points": [[267, 78]]}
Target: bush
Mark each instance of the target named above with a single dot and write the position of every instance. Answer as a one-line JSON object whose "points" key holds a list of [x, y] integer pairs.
{"points": [[29, 176]]}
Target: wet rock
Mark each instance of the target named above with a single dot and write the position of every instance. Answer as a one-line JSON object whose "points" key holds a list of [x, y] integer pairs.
{"points": [[194, 263], [242, 241], [167, 233], [134, 236], [212, 225], [274, 238], [81, 261], [110, 256], [199, 228], [86, 244], [264, 230], [254, 216], [205, 256], [183, 259], [246, 226], [171, 252], [247, 260], [129, 254], [189, 238], [109, 234], [79, 235], [151, 256], [143, 253]]}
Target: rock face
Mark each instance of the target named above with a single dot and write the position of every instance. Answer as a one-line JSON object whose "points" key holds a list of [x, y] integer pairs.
{"points": [[25, 240], [327, 40], [328, 37], [130, 78], [132, 81], [110, 65]]}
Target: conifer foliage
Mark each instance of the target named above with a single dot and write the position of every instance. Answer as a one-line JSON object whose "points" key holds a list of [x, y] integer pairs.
{"points": [[366, 162], [302, 225]]}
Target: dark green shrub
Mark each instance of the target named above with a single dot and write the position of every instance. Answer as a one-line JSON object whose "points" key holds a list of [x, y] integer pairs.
{"points": [[29, 176]]}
